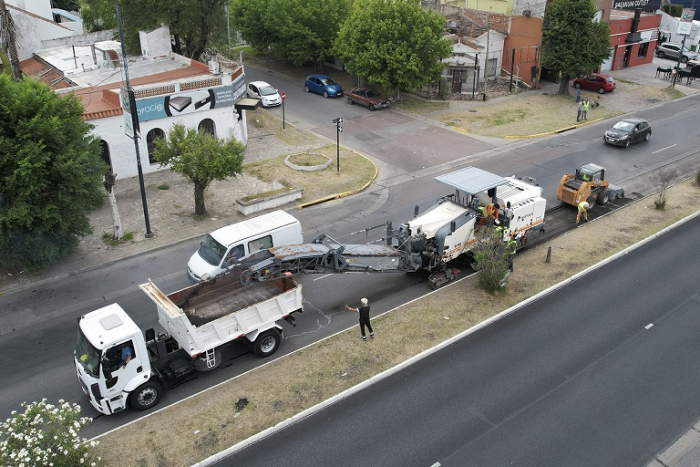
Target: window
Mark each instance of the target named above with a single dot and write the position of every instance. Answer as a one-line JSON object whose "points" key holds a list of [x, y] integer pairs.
{"points": [[260, 244], [151, 138], [643, 49], [207, 127]]}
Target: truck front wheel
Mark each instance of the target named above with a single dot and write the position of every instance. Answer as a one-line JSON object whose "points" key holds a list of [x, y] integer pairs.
{"points": [[267, 343], [146, 396]]}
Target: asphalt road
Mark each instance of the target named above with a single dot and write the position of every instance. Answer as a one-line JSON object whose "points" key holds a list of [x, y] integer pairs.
{"points": [[601, 372], [38, 327]]}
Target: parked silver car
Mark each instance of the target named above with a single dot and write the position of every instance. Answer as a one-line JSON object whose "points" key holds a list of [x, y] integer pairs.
{"points": [[667, 50]]}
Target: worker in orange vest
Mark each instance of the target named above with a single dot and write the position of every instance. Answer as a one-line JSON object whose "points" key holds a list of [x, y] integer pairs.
{"points": [[491, 214]]}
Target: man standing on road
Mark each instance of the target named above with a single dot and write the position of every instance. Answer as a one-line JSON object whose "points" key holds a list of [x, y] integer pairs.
{"points": [[584, 110], [363, 310], [580, 109], [582, 211]]}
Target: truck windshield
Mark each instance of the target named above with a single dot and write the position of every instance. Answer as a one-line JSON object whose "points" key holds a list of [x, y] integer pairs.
{"points": [[87, 355], [212, 251]]}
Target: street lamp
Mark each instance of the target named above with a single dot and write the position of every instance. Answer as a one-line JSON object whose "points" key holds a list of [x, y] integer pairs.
{"points": [[338, 129]]}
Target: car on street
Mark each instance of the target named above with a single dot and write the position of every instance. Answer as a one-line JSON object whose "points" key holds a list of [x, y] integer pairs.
{"points": [[667, 50], [269, 96], [628, 131], [368, 97], [596, 82], [324, 85]]}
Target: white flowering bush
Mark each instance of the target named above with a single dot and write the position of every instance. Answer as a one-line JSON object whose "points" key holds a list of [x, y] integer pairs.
{"points": [[46, 435]]}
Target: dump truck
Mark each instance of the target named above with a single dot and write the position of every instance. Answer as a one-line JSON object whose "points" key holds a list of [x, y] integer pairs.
{"points": [[205, 324], [588, 184], [431, 241]]}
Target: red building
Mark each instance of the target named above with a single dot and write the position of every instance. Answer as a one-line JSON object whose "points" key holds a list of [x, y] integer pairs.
{"points": [[632, 45]]}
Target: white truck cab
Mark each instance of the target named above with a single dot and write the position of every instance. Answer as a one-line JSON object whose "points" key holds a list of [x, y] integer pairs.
{"points": [[235, 242], [104, 336]]}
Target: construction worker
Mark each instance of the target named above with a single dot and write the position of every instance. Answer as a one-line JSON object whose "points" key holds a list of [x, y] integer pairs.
{"points": [[491, 214], [582, 211]]}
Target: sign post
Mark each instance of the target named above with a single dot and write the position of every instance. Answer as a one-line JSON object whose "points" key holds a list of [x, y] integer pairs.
{"points": [[338, 130], [284, 96]]}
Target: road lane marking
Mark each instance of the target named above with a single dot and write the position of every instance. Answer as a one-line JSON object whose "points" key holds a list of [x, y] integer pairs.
{"points": [[663, 149], [649, 326]]}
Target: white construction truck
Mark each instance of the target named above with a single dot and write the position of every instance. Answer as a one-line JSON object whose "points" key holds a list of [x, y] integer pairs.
{"points": [[431, 241], [119, 365]]}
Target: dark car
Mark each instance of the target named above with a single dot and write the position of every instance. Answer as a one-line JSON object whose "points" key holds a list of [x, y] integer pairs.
{"points": [[367, 97], [596, 82], [324, 85], [628, 131]]}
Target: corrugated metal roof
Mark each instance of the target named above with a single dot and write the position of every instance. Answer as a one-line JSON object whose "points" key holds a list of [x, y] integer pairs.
{"points": [[471, 180]]}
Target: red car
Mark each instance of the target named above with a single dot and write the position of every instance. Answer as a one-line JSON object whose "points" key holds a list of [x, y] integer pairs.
{"points": [[367, 97], [596, 82]]}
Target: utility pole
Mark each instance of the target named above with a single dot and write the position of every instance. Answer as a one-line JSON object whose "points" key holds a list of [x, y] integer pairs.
{"points": [[135, 123], [486, 59]]}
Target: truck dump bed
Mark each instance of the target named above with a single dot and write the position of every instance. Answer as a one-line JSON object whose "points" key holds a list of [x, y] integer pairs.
{"points": [[208, 314]]}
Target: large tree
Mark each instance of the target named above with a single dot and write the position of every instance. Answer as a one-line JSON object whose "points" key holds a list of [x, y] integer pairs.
{"points": [[200, 157], [51, 173], [193, 24], [572, 42], [301, 32], [393, 43]]}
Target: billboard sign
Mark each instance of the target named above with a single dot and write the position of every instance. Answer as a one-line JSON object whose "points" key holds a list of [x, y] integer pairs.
{"points": [[197, 100], [644, 5]]}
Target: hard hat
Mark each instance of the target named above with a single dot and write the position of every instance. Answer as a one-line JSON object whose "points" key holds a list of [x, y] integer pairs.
{"points": [[364, 301]]}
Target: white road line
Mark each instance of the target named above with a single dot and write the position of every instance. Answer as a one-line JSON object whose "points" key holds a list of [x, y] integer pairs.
{"points": [[649, 326], [663, 149], [322, 277]]}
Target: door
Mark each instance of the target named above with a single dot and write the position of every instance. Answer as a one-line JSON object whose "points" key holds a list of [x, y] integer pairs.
{"points": [[457, 80]]}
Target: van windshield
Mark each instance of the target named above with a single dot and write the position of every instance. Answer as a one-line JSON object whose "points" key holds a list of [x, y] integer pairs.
{"points": [[212, 251]]}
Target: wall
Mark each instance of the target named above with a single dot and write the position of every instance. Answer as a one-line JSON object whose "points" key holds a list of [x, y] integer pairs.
{"points": [[121, 147], [34, 30], [525, 37]]}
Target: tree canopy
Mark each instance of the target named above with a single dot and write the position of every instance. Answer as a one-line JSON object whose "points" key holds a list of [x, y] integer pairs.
{"points": [[51, 174], [572, 42], [201, 158], [393, 43], [295, 30], [193, 24]]}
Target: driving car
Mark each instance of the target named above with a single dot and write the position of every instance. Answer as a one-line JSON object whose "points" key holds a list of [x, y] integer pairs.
{"points": [[596, 82], [368, 97], [628, 131], [324, 85], [268, 95], [667, 50]]}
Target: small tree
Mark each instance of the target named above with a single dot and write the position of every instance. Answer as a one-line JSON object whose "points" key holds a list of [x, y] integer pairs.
{"points": [[46, 435], [661, 180], [393, 43], [200, 157], [572, 42], [491, 260]]}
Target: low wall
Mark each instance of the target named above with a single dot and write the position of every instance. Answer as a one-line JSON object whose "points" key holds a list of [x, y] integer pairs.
{"points": [[268, 202]]}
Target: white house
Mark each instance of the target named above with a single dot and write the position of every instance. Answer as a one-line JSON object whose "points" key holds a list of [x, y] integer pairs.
{"points": [[168, 89]]}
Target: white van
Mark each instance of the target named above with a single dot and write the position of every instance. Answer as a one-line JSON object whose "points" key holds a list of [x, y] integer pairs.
{"points": [[240, 240]]}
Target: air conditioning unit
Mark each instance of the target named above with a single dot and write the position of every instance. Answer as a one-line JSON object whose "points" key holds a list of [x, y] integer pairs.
{"points": [[214, 67], [527, 13]]}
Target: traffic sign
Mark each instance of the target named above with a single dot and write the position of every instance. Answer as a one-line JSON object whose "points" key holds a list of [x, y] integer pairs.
{"points": [[284, 95]]}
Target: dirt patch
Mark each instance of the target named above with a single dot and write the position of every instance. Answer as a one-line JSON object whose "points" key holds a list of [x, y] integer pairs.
{"points": [[211, 422]]}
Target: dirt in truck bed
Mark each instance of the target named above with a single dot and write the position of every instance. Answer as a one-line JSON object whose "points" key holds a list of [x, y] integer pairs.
{"points": [[208, 301]]}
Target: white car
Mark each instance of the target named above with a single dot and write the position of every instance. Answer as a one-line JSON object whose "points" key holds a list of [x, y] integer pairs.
{"points": [[269, 96]]}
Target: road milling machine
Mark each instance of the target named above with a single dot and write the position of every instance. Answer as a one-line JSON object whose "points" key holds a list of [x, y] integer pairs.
{"points": [[431, 241]]}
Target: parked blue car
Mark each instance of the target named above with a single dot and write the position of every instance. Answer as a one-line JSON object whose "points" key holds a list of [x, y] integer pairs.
{"points": [[324, 85]]}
